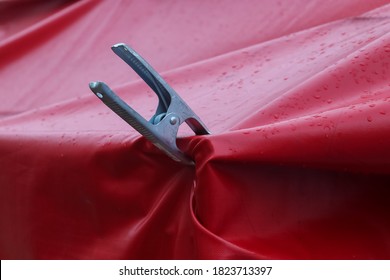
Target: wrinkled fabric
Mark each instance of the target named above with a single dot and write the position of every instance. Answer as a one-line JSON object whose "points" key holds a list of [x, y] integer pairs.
{"points": [[295, 93]]}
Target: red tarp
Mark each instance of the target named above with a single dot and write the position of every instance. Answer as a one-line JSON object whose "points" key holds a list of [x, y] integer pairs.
{"points": [[295, 93]]}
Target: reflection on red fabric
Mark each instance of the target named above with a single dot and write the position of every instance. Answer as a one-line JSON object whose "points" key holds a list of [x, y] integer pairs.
{"points": [[296, 94]]}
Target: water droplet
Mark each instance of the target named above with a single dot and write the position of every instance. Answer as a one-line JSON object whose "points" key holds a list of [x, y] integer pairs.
{"points": [[329, 101], [369, 119]]}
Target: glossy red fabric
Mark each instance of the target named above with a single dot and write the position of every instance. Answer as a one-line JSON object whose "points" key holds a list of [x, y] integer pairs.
{"points": [[296, 94]]}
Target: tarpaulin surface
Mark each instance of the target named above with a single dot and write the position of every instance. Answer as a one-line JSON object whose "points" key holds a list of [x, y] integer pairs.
{"points": [[295, 93]]}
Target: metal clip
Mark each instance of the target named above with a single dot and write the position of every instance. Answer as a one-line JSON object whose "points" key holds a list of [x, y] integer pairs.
{"points": [[171, 111]]}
